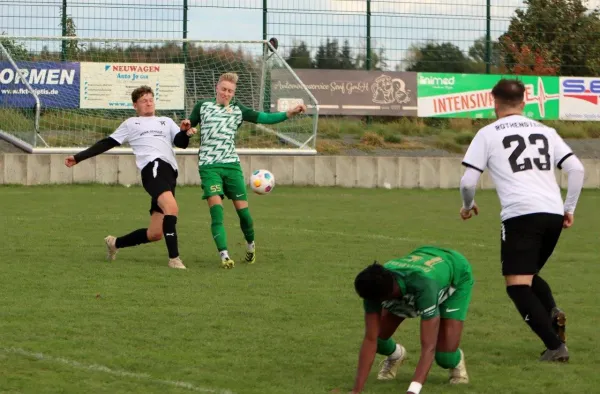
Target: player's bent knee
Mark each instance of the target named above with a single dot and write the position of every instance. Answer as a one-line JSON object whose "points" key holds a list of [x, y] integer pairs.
{"points": [[154, 236], [447, 360]]}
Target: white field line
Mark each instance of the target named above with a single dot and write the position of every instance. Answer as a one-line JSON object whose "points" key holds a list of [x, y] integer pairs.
{"points": [[110, 371]]}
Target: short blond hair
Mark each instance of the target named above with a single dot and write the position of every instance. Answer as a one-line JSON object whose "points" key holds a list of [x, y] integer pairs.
{"points": [[229, 77]]}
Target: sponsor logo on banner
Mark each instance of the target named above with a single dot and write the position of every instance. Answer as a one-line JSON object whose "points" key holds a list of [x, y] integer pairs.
{"points": [[470, 96], [109, 85], [348, 92], [579, 98], [56, 84]]}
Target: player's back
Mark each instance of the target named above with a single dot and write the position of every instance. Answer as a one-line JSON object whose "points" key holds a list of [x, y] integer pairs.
{"points": [[439, 264], [521, 155]]}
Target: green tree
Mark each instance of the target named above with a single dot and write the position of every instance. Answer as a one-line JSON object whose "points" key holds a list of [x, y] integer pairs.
{"points": [[300, 56], [328, 55], [71, 48], [553, 37], [378, 61], [16, 49], [477, 53], [346, 61], [438, 57]]}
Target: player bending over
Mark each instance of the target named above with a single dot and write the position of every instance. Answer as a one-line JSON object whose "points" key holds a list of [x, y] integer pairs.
{"points": [[521, 155], [430, 282], [151, 139], [218, 163]]}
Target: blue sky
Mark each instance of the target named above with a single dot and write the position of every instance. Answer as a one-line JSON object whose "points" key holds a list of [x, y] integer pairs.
{"points": [[396, 24]]}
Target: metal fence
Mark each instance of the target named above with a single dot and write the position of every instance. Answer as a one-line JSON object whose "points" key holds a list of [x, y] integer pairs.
{"points": [[464, 36]]}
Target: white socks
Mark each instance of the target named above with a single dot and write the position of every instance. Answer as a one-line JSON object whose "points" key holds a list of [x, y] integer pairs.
{"points": [[399, 352]]}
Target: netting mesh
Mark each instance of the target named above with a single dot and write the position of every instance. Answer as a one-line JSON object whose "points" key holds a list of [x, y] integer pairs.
{"points": [[85, 85]]}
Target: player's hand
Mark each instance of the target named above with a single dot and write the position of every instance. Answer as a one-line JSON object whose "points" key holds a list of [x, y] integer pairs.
{"points": [[298, 109], [185, 125], [466, 214], [191, 132], [568, 220], [70, 161]]}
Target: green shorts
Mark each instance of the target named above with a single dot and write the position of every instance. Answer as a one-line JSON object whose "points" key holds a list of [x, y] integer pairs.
{"points": [[457, 304], [223, 180], [454, 303]]}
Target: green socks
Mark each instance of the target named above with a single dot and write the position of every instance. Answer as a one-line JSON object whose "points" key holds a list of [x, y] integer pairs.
{"points": [[217, 228], [246, 224], [386, 346], [447, 360]]}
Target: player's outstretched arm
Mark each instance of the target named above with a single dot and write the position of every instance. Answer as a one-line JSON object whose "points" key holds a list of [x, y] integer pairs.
{"points": [[94, 150], [252, 116], [429, 335], [368, 350], [575, 176]]}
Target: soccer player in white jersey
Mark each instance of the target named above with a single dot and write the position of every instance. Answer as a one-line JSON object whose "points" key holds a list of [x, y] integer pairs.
{"points": [[521, 155], [151, 138], [218, 163]]}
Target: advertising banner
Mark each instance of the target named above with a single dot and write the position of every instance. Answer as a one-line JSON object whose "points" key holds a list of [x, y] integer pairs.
{"points": [[109, 85], [470, 95], [579, 98], [55, 83], [348, 92]]}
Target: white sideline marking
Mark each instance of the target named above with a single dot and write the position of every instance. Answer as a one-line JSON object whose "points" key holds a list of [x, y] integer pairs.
{"points": [[371, 236], [115, 372]]}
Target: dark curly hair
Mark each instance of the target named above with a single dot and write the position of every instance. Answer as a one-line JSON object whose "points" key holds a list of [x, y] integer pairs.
{"points": [[374, 282]]}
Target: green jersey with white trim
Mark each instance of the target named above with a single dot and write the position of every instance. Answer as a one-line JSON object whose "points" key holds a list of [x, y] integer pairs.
{"points": [[219, 125], [426, 277]]}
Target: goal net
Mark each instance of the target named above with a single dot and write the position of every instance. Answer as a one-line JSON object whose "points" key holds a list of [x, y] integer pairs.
{"points": [[62, 94]]}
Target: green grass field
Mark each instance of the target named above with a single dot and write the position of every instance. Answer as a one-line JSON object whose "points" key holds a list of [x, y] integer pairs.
{"points": [[72, 323]]}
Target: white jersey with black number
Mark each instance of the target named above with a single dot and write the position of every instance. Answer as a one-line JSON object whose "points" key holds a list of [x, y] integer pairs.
{"points": [[150, 138], [521, 155]]}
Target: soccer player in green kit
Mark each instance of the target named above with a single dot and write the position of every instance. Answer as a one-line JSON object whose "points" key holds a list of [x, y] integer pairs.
{"points": [[430, 282], [218, 163]]}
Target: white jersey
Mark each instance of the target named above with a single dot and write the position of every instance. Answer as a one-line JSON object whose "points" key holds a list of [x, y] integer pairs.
{"points": [[150, 138], [521, 155]]}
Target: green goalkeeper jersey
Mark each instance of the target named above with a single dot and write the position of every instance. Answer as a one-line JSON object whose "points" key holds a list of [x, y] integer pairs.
{"points": [[427, 277], [219, 125]]}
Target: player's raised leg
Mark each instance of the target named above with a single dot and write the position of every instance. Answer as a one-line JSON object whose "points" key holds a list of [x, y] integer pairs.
{"points": [[520, 249], [396, 353], [168, 205], [137, 237], [540, 287]]}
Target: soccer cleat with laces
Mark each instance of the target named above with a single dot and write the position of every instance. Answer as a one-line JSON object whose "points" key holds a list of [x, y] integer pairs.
{"points": [[459, 374], [560, 355], [111, 248], [251, 254], [559, 323], [176, 263], [391, 365], [227, 263]]}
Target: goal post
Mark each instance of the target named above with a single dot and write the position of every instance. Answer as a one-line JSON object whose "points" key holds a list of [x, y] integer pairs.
{"points": [[62, 94]]}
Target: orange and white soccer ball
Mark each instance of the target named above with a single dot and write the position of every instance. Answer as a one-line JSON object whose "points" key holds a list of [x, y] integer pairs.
{"points": [[262, 182]]}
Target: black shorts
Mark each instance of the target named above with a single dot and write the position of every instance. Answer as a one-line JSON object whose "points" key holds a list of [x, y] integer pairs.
{"points": [[528, 241], [158, 177]]}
